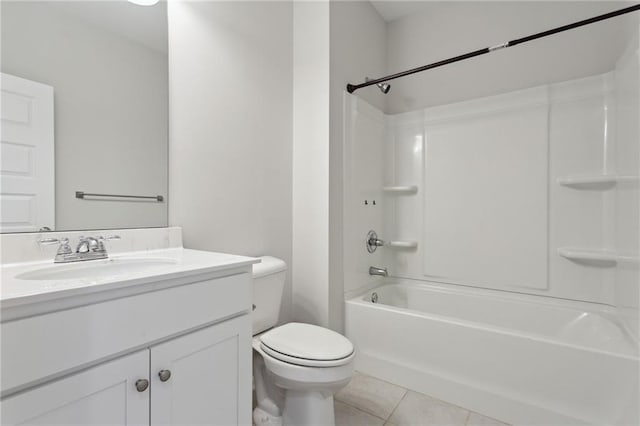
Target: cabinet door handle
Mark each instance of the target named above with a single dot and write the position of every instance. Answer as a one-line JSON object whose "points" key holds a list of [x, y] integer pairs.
{"points": [[142, 385], [164, 375]]}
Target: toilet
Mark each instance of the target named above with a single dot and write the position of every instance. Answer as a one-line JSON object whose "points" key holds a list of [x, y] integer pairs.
{"points": [[297, 368]]}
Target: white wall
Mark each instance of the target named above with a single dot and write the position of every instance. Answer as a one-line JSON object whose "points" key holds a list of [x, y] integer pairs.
{"points": [[328, 54], [230, 171], [358, 50], [446, 29], [259, 189], [111, 105], [311, 162]]}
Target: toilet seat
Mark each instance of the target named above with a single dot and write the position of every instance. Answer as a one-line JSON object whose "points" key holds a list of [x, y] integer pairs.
{"points": [[307, 345], [305, 362]]}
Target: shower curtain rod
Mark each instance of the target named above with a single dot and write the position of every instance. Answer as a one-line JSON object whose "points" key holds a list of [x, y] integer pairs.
{"points": [[353, 87]]}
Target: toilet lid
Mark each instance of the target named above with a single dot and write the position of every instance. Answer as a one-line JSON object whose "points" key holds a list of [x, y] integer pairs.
{"points": [[298, 343]]}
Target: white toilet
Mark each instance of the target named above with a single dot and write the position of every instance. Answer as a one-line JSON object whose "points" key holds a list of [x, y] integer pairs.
{"points": [[296, 367]]}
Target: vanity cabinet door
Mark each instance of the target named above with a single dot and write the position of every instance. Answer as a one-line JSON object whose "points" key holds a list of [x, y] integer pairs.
{"points": [[103, 395], [204, 377]]}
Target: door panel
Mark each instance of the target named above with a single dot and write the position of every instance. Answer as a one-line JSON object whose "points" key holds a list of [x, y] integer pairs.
{"points": [[102, 395], [210, 379], [26, 155]]}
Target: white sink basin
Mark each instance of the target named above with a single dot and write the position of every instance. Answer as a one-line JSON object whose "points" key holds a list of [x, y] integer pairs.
{"points": [[97, 269]]}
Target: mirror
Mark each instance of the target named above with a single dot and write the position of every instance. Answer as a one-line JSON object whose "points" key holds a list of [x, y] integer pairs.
{"points": [[84, 111]]}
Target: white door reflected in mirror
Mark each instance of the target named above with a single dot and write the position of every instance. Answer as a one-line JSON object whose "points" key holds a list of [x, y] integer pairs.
{"points": [[26, 155]]}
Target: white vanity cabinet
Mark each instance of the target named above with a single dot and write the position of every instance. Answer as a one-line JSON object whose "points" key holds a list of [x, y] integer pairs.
{"points": [[105, 394], [199, 385], [102, 395], [201, 373], [176, 352]]}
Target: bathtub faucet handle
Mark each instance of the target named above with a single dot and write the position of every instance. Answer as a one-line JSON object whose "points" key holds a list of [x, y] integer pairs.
{"points": [[376, 242], [373, 242], [378, 271]]}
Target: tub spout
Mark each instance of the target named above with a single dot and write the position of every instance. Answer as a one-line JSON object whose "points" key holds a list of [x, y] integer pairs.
{"points": [[378, 271]]}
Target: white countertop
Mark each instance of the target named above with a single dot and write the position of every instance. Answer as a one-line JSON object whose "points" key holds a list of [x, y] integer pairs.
{"points": [[15, 292]]}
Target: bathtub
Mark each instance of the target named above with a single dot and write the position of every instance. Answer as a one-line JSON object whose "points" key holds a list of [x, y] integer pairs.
{"points": [[519, 358]]}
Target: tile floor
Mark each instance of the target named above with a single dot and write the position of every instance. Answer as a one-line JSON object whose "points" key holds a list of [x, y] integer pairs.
{"points": [[367, 401]]}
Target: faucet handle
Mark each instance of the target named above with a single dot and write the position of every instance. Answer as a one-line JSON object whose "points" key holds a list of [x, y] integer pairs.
{"points": [[373, 242], [101, 241], [49, 241], [64, 247]]}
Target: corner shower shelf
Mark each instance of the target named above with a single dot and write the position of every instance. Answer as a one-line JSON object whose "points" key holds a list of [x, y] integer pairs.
{"points": [[402, 244], [594, 180], [401, 190], [596, 255]]}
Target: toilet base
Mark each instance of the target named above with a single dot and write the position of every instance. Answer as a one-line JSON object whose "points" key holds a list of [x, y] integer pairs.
{"points": [[308, 408], [263, 418]]}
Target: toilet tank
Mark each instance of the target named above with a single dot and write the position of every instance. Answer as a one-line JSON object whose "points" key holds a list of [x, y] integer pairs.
{"points": [[268, 284]]}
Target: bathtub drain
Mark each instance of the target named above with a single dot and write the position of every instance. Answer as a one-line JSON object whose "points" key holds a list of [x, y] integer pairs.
{"points": [[374, 297]]}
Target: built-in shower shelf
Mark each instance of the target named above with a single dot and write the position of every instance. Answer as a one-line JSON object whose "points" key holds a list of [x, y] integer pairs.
{"points": [[401, 190], [595, 180], [409, 245], [597, 255]]}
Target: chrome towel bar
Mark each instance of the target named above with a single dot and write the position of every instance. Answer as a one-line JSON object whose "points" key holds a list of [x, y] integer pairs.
{"points": [[82, 194]]}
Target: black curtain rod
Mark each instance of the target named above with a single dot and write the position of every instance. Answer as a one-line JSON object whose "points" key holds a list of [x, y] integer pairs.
{"points": [[353, 87]]}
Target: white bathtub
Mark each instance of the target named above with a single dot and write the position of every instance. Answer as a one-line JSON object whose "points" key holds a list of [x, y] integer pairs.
{"points": [[519, 358]]}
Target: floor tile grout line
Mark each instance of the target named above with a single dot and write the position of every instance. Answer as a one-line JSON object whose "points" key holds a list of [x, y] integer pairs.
{"points": [[466, 421], [404, 395], [442, 401], [382, 380], [366, 409], [362, 411], [406, 392]]}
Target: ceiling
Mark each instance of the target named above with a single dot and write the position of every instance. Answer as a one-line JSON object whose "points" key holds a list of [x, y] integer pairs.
{"points": [[392, 10]]}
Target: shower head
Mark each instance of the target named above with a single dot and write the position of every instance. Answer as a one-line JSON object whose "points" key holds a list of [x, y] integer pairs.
{"points": [[384, 87]]}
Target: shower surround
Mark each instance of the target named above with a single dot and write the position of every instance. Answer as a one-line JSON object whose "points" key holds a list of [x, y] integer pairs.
{"points": [[513, 284]]}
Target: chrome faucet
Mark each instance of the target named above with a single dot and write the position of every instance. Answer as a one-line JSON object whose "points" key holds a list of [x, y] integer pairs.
{"points": [[88, 248], [89, 244], [378, 271]]}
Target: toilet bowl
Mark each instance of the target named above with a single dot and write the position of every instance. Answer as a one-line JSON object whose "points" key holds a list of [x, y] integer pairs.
{"points": [[297, 367]]}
